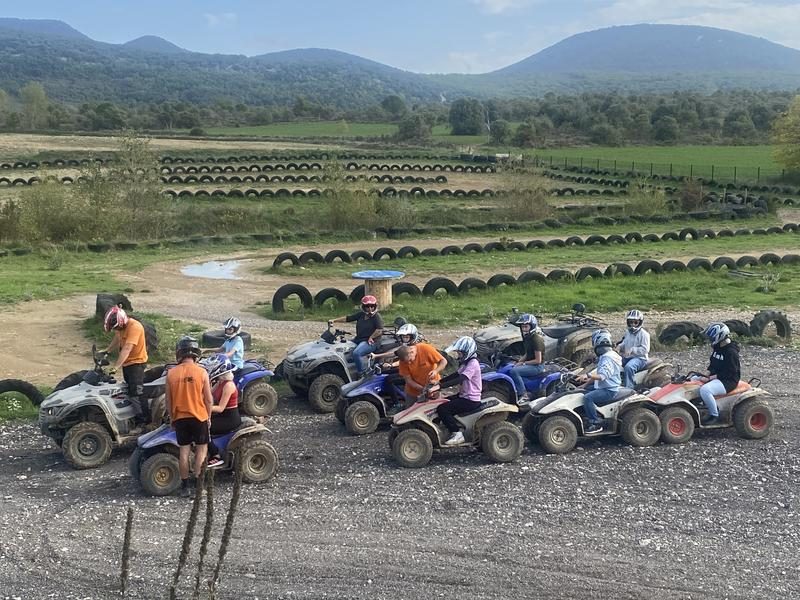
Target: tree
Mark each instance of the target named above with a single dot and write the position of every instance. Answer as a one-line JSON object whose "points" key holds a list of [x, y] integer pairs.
{"points": [[525, 135], [666, 129], [414, 127], [500, 131], [738, 124], [34, 105], [466, 117], [605, 135], [394, 105], [786, 136]]}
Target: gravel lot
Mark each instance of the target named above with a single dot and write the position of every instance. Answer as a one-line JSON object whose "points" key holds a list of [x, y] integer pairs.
{"points": [[716, 518]]}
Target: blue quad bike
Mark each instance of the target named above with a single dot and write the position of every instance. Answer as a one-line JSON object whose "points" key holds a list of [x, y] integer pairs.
{"points": [[154, 462], [257, 397], [369, 402]]}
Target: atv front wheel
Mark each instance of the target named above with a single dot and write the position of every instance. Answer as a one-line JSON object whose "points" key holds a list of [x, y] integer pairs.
{"points": [[160, 474], [677, 425], [259, 399], [412, 448], [530, 427], [640, 427], [257, 461], [558, 435], [361, 418], [325, 392], [753, 419], [502, 442], [87, 445]]}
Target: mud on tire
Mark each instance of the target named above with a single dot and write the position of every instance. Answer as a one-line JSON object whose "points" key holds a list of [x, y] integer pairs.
{"points": [[640, 427], [324, 392], [753, 419], [256, 460], [502, 442], [259, 399], [677, 425], [160, 475], [412, 448], [557, 435], [87, 445], [361, 417]]}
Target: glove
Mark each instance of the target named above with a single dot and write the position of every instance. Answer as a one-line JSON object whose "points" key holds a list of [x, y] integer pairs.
{"points": [[112, 370]]}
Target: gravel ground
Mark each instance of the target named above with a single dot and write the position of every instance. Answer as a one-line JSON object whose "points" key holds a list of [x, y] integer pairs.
{"points": [[715, 518]]}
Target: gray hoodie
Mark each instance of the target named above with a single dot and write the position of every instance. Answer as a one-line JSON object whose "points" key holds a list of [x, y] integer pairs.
{"points": [[635, 345]]}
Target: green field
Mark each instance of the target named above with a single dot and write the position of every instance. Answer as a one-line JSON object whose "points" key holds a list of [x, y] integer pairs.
{"points": [[721, 156]]}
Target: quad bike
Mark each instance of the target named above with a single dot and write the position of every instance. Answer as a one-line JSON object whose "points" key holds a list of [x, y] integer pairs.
{"points": [[418, 430], [541, 385], [570, 337], [655, 373], [681, 410], [257, 397], [320, 368], [154, 462], [92, 418], [557, 421], [367, 403]]}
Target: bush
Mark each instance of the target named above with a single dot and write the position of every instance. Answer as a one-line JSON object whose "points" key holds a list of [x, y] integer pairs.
{"points": [[198, 131]]}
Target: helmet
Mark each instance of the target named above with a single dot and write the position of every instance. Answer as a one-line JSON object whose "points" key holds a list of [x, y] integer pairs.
{"points": [[638, 317], [217, 365], [408, 330], [369, 304], [526, 319], [115, 318], [465, 346], [187, 346], [716, 332], [232, 323], [601, 338]]}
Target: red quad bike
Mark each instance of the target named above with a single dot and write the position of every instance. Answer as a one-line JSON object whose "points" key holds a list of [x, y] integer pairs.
{"points": [[681, 410]]}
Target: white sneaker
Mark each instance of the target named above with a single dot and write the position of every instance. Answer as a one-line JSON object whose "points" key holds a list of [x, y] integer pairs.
{"points": [[524, 399], [455, 439]]}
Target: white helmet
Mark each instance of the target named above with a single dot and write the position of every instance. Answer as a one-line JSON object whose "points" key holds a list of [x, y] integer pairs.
{"points": [[634, 315], [217, 365], [465, 346], [408, 330], [232, 323], [601, 338], [716, 333]]}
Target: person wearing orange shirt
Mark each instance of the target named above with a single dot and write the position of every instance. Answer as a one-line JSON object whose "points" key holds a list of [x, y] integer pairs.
{"points": [[129, 339], [420, 364], [188, 396]]}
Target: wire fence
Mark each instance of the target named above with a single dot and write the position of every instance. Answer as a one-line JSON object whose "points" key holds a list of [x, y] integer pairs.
{"points": [[722, 174]]}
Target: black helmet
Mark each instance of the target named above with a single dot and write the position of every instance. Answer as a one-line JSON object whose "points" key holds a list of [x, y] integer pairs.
{"points": [[187, 346]]}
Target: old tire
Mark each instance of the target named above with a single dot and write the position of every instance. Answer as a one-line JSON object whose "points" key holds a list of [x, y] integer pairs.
{"points": [[740, 328], [216, 337], [753, 419], [290, 289], [557, 435], [502, 442], [674, 331], [87, 445], [311, 256], [405, 287], [325, 294], [501, 279], [259, 399], [440, 283], [648, 265], [412, 448], [361, 418], [640, 427], [677, 425], [471, 283], [160, 475], [30, 391], [324, 392], [764, 318], [256, 460]]}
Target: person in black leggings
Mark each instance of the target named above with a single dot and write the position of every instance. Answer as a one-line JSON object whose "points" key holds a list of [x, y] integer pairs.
{"points": [[225, 407]]}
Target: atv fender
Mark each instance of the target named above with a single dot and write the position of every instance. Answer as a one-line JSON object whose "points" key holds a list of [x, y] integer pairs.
{"points": [[243, 432], [335, 365], [575, 341], [496, 376], [251, 377], [108, 419]]}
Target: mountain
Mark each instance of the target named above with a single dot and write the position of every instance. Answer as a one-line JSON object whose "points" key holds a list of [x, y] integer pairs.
{"points": [[44, 27], [153, 43]]}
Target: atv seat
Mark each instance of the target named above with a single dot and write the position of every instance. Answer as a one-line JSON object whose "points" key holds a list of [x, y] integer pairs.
{"points": [[482, 406], [560, 331], [652, 363], [246, 422], [249, 368], [743, 386], [623, 393]]}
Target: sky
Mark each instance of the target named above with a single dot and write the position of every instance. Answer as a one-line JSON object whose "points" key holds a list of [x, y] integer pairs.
{"points": [[428, 36]]}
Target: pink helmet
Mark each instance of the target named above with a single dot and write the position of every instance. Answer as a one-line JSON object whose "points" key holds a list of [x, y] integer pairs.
{"points": [[369, 304], [115, 318]]}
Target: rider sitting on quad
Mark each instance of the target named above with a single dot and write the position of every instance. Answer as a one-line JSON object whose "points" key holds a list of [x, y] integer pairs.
{"points": [[129, 339], [369, 327], [724, 369], [233, 346], [605, 381], [634, 347], [188, 396], [225, 415], [529, 365], [420, 364], [407, 335], [469, 393]]}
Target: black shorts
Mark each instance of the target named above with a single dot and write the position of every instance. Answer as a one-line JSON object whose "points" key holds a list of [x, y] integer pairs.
{"points": [[191, 430]]}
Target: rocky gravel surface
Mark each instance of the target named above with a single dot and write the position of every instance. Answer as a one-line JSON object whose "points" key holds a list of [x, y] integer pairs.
{"points": [[715, 518]]}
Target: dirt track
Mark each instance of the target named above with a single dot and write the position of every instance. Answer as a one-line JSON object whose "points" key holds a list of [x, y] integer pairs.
{"points": [[714, 519]]}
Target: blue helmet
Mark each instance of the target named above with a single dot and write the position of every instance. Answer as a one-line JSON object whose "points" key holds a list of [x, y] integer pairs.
{"points": [[716, 333], [217, 365]]}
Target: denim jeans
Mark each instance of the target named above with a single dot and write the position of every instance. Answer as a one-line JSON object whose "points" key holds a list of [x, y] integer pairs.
{"points": [[595, 398], [517, 373], [632, 366], [707, 393], [360, 352]]}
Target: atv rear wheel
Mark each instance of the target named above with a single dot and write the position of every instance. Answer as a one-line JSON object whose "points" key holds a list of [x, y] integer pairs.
{"points": [[500, 390], [502, 442], [257, 461], [640, 427], [530, 427], [160, 474], [412, 448], [325, 392], [558, 435], [753, 419], [259, 399], [361, 418], [87, 445], [70, 380], [677, 425]]}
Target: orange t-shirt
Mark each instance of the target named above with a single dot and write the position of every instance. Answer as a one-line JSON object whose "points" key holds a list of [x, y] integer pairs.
{"points": [[424, 362], [185, 382], [134, 334]]}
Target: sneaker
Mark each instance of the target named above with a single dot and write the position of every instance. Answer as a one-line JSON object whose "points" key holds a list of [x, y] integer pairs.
{"points": [[593, 428], [455, 439], [710, 420], [215, 463], [524, 399], [186, 489]]}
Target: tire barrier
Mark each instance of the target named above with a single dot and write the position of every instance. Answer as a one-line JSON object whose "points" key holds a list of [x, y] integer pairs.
{"points": [[440, 283], [291, 289], [757, 327], [326, 294], [404, 287]]}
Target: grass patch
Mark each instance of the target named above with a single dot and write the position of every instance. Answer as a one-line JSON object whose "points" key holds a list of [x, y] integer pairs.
{"points": [[16, 407]]}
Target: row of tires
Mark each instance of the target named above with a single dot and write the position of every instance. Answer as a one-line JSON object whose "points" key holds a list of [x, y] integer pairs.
{"points": [[59, 162], [687, 233], [315, 166], [356, 166], [297, 179], [762, 322], [442, 285], [177, 160], [387, 192]]}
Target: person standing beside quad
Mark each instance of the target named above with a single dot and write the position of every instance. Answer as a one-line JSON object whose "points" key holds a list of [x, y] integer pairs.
{"points": [[634, 347], [188, 397], [420, 364], [129, 340], [531, 364], [369, 327]]}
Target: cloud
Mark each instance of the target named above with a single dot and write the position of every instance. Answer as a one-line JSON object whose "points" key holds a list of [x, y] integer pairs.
{"points": [[499, 7], [215, 20]]}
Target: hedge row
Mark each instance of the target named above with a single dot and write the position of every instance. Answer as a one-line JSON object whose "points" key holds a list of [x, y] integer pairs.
{"points": [[688, 233], [442, 284]]}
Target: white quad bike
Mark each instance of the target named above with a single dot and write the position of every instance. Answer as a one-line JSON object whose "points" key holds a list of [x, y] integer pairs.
{"points": [[655, 373], [418, 430], [558, 420], [681, 410], [88, 420]]}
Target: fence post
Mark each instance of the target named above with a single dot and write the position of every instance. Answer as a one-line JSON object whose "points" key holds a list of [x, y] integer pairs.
{"points": [[565, 162], [712, 171], [691, 171], [581, 162], [615, 164], [734, 174], [598, 164], [551, 160], [758, 175], [651, 169], [670, 169]]}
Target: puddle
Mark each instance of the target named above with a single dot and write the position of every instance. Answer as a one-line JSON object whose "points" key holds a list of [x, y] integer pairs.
{"points": [[214, 269]]}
